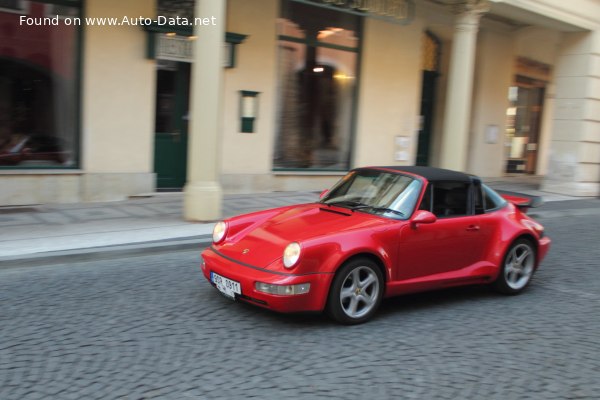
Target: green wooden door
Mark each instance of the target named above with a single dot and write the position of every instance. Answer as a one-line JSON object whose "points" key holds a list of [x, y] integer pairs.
{"points": [[427, 106], [171, 137]]}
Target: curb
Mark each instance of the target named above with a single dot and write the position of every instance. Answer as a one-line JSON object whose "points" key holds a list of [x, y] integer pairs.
{"points": [[196, 242], [105, 252]]}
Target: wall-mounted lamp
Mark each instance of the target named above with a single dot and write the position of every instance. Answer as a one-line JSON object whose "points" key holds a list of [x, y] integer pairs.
{"points": [[248, 110], [230, 50]]}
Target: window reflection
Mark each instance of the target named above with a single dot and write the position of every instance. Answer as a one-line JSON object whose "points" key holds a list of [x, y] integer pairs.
{"points": [[38, 88], [318, 52]]}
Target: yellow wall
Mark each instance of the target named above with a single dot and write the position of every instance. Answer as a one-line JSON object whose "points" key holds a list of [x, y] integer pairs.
{"points": [[251, 153], [573, 165], [493, 76], [390, 90], [118, 91]]}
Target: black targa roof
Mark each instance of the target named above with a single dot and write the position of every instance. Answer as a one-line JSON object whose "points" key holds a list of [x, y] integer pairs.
{"points": [[434, 174]]}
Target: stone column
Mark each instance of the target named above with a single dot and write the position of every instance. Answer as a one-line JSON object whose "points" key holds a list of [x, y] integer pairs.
{"points": [[202, 193], [574, 165], [460, 86]]}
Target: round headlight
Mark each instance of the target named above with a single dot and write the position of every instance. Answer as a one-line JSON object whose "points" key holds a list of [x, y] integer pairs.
{"points": [[219, 232], [291, 255]]}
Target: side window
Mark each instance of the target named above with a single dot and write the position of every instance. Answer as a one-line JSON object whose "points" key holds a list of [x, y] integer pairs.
{"points": [[426, 201], [450, 199], [478, 199], [492, 200]]}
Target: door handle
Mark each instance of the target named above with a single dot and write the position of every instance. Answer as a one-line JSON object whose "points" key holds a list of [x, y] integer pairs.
{"points": [[473, 228]]}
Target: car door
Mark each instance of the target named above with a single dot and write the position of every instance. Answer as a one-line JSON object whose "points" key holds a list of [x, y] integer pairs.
{"points": [[443, 248]]}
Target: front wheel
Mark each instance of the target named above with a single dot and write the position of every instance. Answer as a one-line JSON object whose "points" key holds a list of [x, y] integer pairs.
{"points": [[517, 268], [356, 292]]}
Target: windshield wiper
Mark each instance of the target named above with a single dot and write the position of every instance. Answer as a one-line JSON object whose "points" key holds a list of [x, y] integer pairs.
{"points": [[379, 209], [350, 203]]}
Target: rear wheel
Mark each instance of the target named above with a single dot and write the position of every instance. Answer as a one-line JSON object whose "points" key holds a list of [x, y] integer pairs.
{"points": [[356, 292], [517, 268]]}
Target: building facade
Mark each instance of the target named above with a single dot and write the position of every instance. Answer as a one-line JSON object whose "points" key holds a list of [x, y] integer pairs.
{"points": [[223, 96]]}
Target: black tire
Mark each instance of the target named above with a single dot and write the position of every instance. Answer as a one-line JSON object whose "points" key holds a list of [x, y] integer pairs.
{"points": [[515, 276], [363, 284]]}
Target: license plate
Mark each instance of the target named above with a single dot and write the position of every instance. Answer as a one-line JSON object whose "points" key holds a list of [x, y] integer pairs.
{"points": [[226, 286]]}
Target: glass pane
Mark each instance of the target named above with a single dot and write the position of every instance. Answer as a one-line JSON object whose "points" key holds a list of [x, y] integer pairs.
{"points": [[38, 91], [317, 78], [338, 36], [316, 24], [376, 192], [316, 99], [287, 27], [450, 199]]}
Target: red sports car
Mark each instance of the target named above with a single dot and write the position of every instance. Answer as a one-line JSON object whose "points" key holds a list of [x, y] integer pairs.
{"points": [[379, 232]]}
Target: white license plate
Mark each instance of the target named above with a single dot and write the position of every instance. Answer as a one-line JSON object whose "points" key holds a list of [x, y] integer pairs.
{"points": [[226, 286]]}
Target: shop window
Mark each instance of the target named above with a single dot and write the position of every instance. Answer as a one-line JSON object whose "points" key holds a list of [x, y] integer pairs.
{"points": [[318, 64], [39, 79]]}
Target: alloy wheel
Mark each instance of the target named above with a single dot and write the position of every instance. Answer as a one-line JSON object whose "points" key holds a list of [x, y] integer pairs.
{"points": [[360, 292], [519, 266]]}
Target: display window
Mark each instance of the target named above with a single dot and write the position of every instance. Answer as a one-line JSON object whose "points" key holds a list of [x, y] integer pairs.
{"points": [[318, 73], [39, 84]]}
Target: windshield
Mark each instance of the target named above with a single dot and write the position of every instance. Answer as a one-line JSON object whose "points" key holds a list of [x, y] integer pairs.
{"points": [[376, 192]]}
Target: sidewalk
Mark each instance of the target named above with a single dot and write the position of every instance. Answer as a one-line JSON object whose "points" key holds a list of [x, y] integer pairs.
{"points": [[135, 225], [47, 233]]}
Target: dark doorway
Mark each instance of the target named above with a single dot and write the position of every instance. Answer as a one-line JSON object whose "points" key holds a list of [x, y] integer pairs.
{"points": [[171, 129], [431, 64]]}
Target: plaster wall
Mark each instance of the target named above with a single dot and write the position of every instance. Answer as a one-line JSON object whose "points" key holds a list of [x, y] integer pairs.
{"points": [[118, 91], [574, 162], [390, 90], [256, 70], [493, 75]]}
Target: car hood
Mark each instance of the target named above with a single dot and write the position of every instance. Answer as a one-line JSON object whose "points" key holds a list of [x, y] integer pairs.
{"points": [[262, 242]]}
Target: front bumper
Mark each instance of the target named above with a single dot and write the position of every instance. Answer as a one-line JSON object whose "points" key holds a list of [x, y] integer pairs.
{"points": [[247, 276]]}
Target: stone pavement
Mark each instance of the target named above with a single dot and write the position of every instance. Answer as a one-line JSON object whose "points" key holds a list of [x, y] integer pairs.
{"points": [[151, 327], [142, 224]]}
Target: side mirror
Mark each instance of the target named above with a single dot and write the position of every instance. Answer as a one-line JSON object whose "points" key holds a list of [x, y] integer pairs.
{"points": [[422, 217], [323, 193]]}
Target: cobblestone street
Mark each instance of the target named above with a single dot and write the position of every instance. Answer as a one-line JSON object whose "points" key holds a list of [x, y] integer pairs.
{"points": [[151, 327]]}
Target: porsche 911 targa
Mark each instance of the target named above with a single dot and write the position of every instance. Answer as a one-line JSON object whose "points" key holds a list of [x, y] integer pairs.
{"points": [[379, 232]]}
